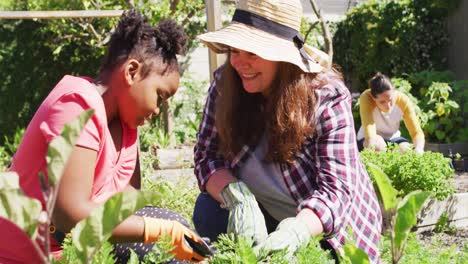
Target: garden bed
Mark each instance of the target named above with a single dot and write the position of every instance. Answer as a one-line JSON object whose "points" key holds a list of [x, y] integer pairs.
{"points": [[458, 237], [454, 207]]}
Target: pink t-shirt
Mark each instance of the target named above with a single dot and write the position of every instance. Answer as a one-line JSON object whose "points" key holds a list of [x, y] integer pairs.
{"points": [[70, 97]]}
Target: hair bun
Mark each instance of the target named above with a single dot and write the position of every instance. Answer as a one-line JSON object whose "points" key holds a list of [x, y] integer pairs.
{"points": [[130, 27], [171, 37]]}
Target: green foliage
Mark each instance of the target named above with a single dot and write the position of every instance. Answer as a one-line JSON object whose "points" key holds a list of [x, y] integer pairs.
{"points": [[313, 253], [10, 145], [354, 255], [405, 219], [179, 197], [232, 250], [394, 37], [389, 195], [410, 171], [27, 212], [439, 100], [30, 64], [70, 254], [403, 214], [187, 106], [17, 207], [91, 233], [430, 253], [351, 253], [160, 252], [442, 225]]}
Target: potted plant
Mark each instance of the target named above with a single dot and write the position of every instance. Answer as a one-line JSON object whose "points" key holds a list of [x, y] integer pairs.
{"points": [[460, 163]]}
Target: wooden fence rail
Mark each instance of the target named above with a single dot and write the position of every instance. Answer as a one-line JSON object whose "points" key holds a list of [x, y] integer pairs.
{"points": [[59, 14]]}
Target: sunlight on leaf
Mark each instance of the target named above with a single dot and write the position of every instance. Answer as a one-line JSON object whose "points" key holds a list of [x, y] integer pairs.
{"points": [[385, 190], [90, 233], [407, 213], [17, 207]]}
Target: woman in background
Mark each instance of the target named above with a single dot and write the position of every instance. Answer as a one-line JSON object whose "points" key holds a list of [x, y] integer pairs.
{"points": [[382, 108]]}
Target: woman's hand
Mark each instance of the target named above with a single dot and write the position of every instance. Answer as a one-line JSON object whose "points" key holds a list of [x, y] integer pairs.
{"points": [[290, 234], [245, 217]]}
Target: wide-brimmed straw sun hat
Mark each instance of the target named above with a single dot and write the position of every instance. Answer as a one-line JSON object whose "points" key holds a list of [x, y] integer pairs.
{"points": [[269, 29]]}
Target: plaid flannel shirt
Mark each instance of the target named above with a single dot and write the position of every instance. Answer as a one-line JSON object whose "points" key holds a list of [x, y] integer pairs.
{"points": [[327, 176]]}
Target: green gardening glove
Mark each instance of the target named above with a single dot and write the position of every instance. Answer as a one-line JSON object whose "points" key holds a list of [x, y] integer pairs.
{"points": [[245, 217], [290, 234]]}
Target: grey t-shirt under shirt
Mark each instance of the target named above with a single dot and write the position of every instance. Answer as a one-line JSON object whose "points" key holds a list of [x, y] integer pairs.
{"points": [[265, 181]]}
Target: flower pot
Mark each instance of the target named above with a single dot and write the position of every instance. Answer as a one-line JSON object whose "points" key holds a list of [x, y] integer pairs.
{"points": [[460, 164], [446, 148]]}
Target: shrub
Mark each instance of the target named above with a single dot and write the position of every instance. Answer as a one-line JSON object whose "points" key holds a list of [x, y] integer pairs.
{"points": [[410, 171], [393, 37]]}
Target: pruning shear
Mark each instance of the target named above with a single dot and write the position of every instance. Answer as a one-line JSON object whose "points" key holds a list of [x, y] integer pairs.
{"points": [[203, 249]]}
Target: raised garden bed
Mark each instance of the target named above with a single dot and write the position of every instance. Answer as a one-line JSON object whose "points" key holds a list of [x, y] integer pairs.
{"points": [[454, 206]]}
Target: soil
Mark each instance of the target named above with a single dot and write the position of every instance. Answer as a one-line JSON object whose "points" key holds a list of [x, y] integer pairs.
{"points": [[459, 238], [460, 181]]}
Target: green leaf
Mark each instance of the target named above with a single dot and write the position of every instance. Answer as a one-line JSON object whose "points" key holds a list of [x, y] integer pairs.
{"points": [[17, 207], [387, 194], [440, 134], [133, 258], [355, 255], [9, 180], [61, 147], [452, 104], [406, 216], [90, 233]]}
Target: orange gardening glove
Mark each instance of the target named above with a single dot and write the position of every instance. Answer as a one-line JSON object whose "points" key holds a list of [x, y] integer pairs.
{"points": [[154, 228]]}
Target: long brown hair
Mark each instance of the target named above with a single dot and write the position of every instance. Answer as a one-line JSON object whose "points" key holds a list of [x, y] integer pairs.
{"points": [[287, 113]]}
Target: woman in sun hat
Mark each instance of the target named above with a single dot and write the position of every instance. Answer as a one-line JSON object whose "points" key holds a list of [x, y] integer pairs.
{"points": [[276, 156]]}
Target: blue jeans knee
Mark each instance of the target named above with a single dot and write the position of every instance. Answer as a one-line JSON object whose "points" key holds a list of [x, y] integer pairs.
{"points": [[209, 219]]}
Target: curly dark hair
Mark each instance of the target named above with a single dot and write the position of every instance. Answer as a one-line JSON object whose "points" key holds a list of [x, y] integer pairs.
{"points": [[134, 37]]}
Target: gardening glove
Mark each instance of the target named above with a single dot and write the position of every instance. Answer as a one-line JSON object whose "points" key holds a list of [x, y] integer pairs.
{"points": [[290, 234], [154, 228], [245, 217]]}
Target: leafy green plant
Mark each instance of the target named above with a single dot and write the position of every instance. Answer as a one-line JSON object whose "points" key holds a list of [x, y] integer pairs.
{"points": [[394, 37], [187, 106], [419, 252], [443, 225], [179, 196], [410, 171], [438, 100], [231, 249], [403, 210]]}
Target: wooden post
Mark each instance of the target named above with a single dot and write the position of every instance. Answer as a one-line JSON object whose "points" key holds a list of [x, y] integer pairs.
{"points": [[213, 14]]}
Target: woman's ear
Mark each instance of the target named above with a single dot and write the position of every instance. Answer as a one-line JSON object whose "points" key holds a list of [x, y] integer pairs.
{"points": [[132, 70]]}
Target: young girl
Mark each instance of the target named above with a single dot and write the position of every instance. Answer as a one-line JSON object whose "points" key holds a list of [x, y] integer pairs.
{"points": [[139, 72], [382, 108], [276, 155]]}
